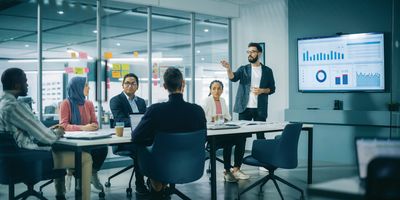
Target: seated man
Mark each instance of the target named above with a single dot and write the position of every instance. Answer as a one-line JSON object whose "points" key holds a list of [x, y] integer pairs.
{"points": [[17, 119], [121, 107], [127, 102], [175, 115]]}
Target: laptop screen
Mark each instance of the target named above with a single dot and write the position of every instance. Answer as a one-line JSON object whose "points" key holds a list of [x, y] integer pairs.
{"points": [[135, 119], [369, 148]]}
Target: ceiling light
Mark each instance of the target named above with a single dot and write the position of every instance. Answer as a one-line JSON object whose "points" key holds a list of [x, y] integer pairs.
{"points": [[202, 59], [206, 30], [27, 45], [60, 12], [118, 44], [94, 31], [198, 51]]}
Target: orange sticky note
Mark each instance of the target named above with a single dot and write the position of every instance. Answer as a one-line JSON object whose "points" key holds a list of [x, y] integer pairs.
{"points": [[116, 74], [107, 55]]}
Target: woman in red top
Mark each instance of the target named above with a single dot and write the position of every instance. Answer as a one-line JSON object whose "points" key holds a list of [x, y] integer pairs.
{"points": [[78, 114]]}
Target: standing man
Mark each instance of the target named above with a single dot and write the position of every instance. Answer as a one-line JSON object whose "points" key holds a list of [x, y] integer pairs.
{"points": [[256, 83], [175, 115], [121, 107], [17, 119]]}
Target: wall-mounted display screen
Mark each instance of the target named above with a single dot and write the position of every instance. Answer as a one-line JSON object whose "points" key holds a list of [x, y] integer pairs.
{"points": [[343, 63]]}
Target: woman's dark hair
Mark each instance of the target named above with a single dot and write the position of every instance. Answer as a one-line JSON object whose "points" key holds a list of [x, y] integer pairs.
{"points": [[216, 81]]}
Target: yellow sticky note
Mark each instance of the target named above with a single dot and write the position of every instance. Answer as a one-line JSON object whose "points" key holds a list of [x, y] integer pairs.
{"points": [[125, 67], [116, 66], [107, 55], [78, 70], [123, 73], [73, 55], [116, 74], [135, 54]]}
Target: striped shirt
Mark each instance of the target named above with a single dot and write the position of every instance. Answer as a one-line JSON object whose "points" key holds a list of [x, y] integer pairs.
{"points": [[16, 118]]}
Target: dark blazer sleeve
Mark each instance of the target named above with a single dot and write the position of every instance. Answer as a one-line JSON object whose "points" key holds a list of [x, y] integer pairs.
{"points": [[238, 74], [271, 81], [119, 110], [141, 104]]}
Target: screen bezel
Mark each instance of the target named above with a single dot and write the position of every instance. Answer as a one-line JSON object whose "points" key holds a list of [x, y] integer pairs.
{"points": [[344, 90]]}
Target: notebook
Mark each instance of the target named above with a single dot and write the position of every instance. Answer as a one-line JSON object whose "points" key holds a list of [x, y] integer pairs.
{"points": [[369, 148], [135, 119], [90, 135]]}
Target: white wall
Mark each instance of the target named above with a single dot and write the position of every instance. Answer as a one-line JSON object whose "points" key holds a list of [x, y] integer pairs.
{"points": [[266, 22]]}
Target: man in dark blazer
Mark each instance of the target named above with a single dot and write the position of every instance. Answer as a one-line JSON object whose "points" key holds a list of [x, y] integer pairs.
{"points": [[121, 107], [256, 83], [175, 115], [127, 102]]}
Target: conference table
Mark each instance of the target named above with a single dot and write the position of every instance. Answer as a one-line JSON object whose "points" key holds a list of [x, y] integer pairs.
{"points": [[253, 127], [81, 145]]}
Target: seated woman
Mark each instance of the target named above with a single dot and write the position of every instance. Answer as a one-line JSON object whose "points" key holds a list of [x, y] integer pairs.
{"points": [[215, 105], [77, 114]]}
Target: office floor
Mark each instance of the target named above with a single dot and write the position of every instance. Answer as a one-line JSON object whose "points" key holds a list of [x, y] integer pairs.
{"points": [[201, 188]]}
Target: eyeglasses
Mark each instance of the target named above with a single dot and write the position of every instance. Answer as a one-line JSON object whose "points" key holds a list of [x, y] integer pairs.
{"points": [[251, 52], [127, 84]]}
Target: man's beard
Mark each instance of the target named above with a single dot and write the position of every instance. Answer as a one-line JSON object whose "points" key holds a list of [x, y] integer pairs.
{"points": [[253, 60]]}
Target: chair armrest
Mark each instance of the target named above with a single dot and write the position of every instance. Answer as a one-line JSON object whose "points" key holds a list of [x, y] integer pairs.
{"points": [[277, 137], [264, 150]]}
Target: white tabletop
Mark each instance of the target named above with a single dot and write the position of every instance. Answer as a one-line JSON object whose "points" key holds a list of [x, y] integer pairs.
{"points": [[126, 138], [245, 127], [252, 127]]}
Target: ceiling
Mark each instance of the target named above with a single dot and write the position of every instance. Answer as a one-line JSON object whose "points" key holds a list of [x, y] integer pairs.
{"points": [[71, 25]]}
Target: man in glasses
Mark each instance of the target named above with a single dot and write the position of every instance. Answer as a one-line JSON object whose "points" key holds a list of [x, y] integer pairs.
{"points": [[256, 83], [121, 107]]}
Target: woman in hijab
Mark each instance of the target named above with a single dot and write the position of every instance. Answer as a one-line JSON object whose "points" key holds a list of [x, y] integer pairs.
{"points": [[78, 114]]}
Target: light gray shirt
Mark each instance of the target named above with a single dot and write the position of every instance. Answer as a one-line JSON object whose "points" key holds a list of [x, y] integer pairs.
{"points": [[17, 119], [133, 104]]}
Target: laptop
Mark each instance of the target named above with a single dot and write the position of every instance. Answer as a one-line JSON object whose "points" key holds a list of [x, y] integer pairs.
{"points": [[135, 119], [369, 148]]}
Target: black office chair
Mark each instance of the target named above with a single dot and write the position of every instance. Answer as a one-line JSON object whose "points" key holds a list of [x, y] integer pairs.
{"points": [[118, 151], [24, 166], [383, 179], [122, 150], [273, 154], [174, 158]]}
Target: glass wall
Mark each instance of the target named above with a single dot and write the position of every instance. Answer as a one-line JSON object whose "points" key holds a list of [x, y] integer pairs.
{"points": [[171, 47], [69, 48], [124, 47], [18, 41], [211, 47]]}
